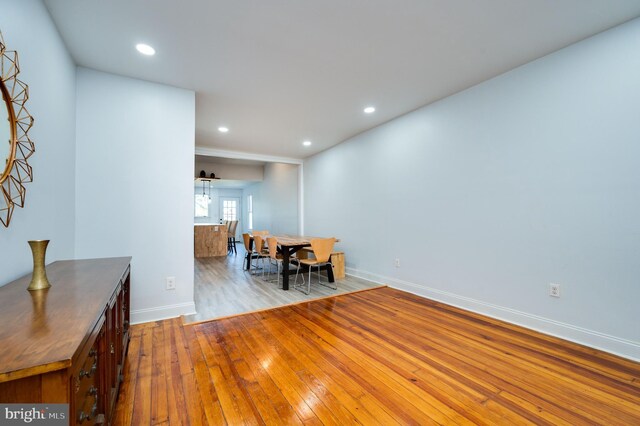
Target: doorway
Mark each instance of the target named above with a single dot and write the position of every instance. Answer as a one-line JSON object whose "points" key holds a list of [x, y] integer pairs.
{"points": [[230, 209]]}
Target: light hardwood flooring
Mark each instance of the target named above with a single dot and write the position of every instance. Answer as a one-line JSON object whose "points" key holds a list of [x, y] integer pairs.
{"points": [[376, 357], [223, 288]]}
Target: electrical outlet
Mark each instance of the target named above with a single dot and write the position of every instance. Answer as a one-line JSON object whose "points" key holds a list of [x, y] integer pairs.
{"points": [[397, 263], [171, 283], [554, 290]]}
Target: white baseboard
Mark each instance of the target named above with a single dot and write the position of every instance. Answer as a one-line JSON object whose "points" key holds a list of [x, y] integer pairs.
{"points": [[162, 312], [612, 344]]}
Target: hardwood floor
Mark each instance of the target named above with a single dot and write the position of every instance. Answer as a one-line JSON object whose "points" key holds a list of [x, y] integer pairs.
{"points": [[223, 288], [376, 357]]}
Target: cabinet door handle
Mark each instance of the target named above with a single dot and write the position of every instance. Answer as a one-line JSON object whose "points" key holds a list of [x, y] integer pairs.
{"points": [[112, 349], [83, 416], [89, 373]]}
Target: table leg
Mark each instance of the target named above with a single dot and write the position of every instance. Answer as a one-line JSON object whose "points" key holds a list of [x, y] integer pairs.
{"points": [[248, 257], [329, 268], [285, 268]]}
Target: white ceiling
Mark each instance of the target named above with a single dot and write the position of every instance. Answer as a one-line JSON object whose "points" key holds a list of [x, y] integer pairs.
{"points": [[278, 72]]}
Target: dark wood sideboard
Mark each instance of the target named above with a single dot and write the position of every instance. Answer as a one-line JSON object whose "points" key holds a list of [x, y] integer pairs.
{"points": [[68, 343]]}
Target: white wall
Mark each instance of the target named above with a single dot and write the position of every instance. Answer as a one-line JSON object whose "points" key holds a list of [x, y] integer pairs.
{"points": [[489, 195], [275, 200], [135, 150], [48, 70]]}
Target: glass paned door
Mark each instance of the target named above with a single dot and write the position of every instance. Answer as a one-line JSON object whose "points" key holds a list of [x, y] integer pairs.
{"points": [[230, 210]]}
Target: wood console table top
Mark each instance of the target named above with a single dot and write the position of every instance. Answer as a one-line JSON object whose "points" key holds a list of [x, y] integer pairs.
{"points": [[41, 331]]}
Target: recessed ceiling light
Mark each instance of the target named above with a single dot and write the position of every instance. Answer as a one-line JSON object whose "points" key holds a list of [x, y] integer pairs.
{"points": [[223, 129], [369, 110], [145, 49], [306, 143]]}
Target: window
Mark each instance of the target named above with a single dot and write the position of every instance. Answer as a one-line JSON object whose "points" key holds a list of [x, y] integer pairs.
{"points": [[250, 210], [202, 205], [230, 210]]}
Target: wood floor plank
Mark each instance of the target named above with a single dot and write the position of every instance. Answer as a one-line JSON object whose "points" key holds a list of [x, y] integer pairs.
{"points": [[382, 381], [142, 406], [431, 336], [233, 395], [356, 399], [428, 358], [520, 358], [190, 354], [283, 369], [602, 361], [317, 379], [377, 357], [467, 400], [269, 401], [124, 408], [500, 361], [159, 405], [537, 360], [538, 344], [175, 397]]}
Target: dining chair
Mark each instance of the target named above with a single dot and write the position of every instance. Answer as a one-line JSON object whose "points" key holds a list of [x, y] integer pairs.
{"points": [[321, 248], [274, 256], [261, 233], [231, 240], [259, 251], [246, 238]]}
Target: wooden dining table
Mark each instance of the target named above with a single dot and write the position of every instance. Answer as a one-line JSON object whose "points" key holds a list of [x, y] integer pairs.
{"points": [[288, 245]]}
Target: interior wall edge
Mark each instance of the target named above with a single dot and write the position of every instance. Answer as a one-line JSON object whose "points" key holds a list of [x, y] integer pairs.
{"points": [[591, 338], [241, 155]]}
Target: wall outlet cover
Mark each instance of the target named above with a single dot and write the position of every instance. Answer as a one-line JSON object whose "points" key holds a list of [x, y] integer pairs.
{"points": [[171, 283]]}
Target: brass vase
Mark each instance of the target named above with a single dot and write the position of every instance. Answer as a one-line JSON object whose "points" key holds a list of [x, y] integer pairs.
{"points": [[39, 279]]}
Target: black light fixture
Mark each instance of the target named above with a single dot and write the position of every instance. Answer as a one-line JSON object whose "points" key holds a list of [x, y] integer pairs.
{"points": [[204, 193]]}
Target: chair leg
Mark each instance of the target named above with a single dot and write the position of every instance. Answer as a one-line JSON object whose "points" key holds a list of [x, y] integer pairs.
{"points": [[326, 284], [279, 272], [263, 267], [268, 273], [295, 285], [255, 265]]}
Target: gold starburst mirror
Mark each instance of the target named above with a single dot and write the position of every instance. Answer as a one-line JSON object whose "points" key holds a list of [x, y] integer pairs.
{"points": [[15, 145]]}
